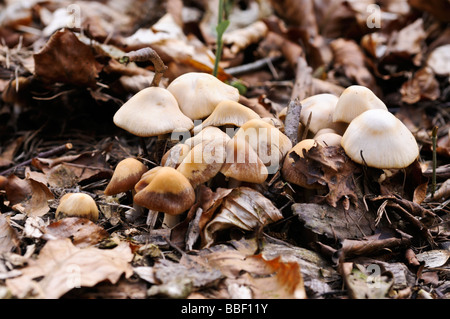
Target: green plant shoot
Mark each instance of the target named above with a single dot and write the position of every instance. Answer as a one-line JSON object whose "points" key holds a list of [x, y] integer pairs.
{"points": [[222, 25]]}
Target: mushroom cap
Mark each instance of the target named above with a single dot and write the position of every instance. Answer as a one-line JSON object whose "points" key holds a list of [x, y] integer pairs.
{"points": [[230, 112], [328, 139], [270, 144], [203, 161], [199, 93], [242, 163], [355, 100], [167, 191], [126, 174], [77, 205], [293, 175], [175, 155], [321, 107], [206, 134], [150, 112], [379, 139]]}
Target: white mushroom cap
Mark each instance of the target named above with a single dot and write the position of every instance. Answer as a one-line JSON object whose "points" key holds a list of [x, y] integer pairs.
{"points": [[206, 134], [321, 107], [379, 139], [199, 93], [150, 112], [229, 112], [353, 101]]}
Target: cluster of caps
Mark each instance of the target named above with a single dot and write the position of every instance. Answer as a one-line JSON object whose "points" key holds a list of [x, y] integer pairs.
{"points": [[235, 141]]}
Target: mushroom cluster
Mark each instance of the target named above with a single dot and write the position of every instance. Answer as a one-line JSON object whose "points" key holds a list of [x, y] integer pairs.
{"points": [[361, 124]]}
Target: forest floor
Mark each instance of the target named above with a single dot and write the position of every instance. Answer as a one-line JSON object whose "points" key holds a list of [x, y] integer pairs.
{"points": [[365, 233]]}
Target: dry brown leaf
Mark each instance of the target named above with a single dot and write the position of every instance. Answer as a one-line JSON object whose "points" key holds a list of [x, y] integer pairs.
{"points": [[81, 231], [65, 59], [350, 61], [28, 196], [329, 166], [61, 267], [422, 86], [243, 208], [9, 239]]}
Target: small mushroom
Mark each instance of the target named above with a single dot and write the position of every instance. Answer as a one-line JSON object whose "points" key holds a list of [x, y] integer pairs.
{"points": [[378, 139], [242, 163], [328, 139], [206, 134], [199, 93], [126, 174], [77, 205], [203, 161], [229, 112], [152, 111], [353, 101], [164, 189], [269, 143], [296, 176], [320, 108], [174, 156]]}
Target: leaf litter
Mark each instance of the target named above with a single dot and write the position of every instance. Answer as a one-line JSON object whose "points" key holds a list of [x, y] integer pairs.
{"points": [[366, 233]]}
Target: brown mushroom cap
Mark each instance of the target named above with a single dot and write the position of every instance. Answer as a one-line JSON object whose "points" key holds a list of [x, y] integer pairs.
{"points": [[203, 161], [355, 100], [379, 139], [126, 174], [199, 93], [242, 163], [77, 205], [150, 112], [167, 191]]}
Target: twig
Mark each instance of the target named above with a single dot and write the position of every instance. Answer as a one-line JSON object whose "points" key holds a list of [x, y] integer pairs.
{"points": [[252, 66], [144, 55], [433, 180], [292, 120], [54, 151]]}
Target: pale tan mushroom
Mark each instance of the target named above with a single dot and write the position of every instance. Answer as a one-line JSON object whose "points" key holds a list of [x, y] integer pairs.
{"points": [[199, 93], [77, 205], [377, 138]]}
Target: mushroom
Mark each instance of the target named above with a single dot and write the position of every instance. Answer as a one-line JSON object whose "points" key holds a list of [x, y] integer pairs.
{"points": [[379, 139], [203, 161], [269, 143], [166, 190], [296, 176], [126, 174], [153, 111], [199, 93], [328, 139], [320, 108], [174, 156], [206, 134], [229, 112], [353, 101], [77, 205], [242, 163]]}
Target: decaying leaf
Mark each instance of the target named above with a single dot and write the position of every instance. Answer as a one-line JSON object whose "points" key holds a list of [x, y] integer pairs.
{"points": [[81, 231], [422, 86], [9, 240], [61, 267], [331, 167], [28, 196], [434, 258], [244, 208], [65, 59]]}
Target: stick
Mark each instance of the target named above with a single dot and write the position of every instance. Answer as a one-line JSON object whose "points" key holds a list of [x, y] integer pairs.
{"points": [[54, 151], [292, 120], [433, 180], [143, 55]]}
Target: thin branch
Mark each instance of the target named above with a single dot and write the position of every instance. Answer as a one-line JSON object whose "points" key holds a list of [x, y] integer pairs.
{"points": [[292, 121]]}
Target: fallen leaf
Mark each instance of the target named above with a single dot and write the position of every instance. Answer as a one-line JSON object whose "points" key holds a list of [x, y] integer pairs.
{"points": [[61, 267], [65, 59], [422, 86], [9, 240], [243, 208], [81, 231], [28, 196]]}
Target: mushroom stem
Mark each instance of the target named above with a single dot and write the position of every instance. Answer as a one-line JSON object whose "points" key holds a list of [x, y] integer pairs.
{"points": [[233, 183], [171, 220]]}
